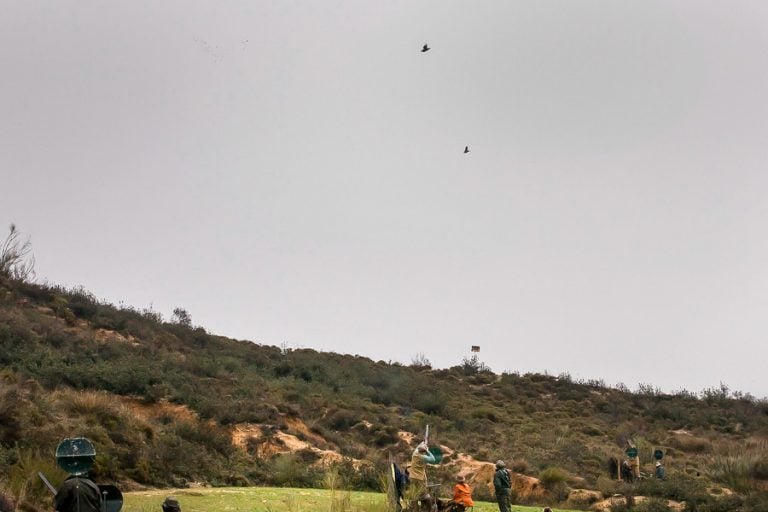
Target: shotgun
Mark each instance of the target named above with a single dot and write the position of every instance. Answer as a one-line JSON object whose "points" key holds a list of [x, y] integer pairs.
{"points": [[47, 483]]}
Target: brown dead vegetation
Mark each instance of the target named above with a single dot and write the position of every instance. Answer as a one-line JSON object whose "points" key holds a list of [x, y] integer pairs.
{"points": [[157, 410]]}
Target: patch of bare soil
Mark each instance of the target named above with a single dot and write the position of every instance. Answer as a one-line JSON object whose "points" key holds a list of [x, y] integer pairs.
{"points": [[296, 425], [269, 440], [107, 336], [242, 432]]}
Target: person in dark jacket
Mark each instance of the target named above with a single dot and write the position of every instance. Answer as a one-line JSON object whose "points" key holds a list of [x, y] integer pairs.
{"points": [[78, 493], [626, 471], [502, 486], [401, 483]]}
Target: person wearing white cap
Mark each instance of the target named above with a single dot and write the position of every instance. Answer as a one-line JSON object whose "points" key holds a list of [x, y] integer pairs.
{"points": [[660, 473], [502, 486]]}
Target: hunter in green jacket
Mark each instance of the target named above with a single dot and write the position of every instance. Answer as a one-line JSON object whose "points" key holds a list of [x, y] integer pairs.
{"points": [[502, 485]]}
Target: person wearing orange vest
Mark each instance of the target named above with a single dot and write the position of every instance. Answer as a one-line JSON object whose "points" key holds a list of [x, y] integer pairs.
{"points": [[462, 494]]}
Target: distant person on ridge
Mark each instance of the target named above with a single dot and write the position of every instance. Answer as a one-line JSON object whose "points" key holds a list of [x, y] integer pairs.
{"points": [[418, 470], [502, 486]]}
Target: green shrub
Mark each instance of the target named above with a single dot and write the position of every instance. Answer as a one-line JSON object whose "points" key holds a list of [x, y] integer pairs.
{"points": [[22, 482], [735, 471], [554, 481], [342, 419], [722, 504], [591, 430], [756, 502], [607, 486], [489, 413], [385, 436], [288, 471], [684, 488], [653, 505], [760, 469], [553, 476]]}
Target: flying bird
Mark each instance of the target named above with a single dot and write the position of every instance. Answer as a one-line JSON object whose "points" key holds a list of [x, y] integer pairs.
{"points": [[425, 48], [466, 149]]}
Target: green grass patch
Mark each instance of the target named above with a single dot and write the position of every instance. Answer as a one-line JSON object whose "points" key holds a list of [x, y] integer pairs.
{"points": [[271, 499]]}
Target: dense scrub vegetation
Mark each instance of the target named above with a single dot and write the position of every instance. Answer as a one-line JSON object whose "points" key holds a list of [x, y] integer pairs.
{"points": [[73, 365]]}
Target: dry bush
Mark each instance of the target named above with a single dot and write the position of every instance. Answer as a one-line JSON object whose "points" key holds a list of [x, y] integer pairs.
{"points": [[16, 259], [89, 402], [607, 486], [740, 467], [22, 483], [690, 444], [520, 466]]}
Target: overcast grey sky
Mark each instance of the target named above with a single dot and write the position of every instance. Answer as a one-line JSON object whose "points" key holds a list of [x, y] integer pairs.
{"points": [[292, 172]]}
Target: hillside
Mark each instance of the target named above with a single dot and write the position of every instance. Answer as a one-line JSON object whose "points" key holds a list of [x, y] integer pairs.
{"points": [[172, 405]]}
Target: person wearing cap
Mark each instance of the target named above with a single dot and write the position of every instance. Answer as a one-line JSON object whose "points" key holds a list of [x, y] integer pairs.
{"points": [[659, 472], [78, 493], [502, 486], [418, 469], [171, 504], [462, 495]]}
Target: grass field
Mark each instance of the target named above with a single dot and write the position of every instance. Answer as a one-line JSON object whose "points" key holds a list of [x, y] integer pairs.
{"points": [[270, 499]]}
